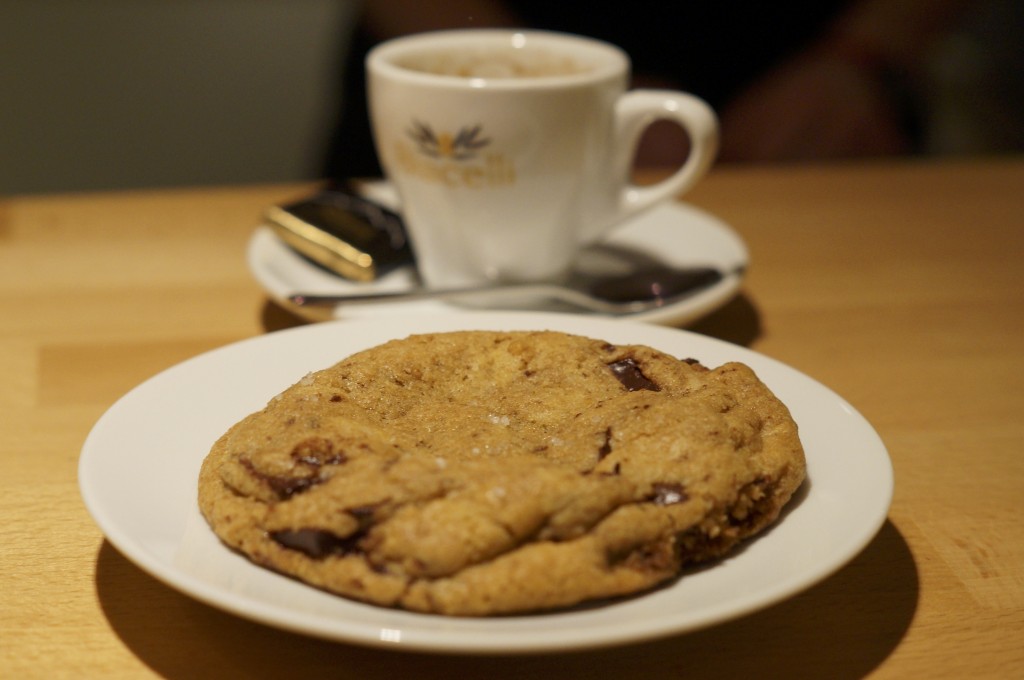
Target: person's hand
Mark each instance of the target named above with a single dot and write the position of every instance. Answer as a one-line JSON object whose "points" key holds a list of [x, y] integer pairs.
{"points": [[817, 105]]}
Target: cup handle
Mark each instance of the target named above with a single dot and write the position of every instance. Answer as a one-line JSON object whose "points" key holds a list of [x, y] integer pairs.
{"points": [[634, 112]]}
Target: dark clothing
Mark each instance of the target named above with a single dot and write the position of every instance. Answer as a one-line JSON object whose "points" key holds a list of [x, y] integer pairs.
{"points": [[711, 49]]}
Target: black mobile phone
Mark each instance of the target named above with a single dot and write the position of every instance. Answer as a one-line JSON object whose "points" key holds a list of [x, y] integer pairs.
{"points": [[343, 230]]}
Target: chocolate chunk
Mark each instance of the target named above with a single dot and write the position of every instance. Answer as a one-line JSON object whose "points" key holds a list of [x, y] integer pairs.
{"points": [[364, 515], [668, 494], [317, 451], [316, 543], [631, 377], [284, 487]]}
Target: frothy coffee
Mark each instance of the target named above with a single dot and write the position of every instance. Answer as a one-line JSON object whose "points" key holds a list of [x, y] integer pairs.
{"points": [[494, 64]]}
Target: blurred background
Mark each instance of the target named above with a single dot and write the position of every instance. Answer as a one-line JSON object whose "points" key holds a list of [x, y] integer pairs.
{"points": [[104, 94], [121, 94]]}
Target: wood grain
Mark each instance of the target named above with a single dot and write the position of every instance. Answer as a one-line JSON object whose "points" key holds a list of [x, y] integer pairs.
{"points": [[899, 285]]}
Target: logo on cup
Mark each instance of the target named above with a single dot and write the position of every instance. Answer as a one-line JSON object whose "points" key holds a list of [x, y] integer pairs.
{"points": [[459, 160], [462, 146]]}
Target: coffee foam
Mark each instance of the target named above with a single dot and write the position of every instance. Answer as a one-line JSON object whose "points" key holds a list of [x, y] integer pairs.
{"points": [[494, 64]]}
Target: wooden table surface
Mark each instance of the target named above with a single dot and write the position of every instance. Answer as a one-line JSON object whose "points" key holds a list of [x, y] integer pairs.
{"points": [[899, 285]]}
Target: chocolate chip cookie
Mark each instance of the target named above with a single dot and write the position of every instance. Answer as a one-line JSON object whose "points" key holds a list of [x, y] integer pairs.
{"points": [[477, 473]]}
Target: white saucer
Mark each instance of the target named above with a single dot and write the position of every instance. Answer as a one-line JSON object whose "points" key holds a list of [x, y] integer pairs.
{"points": [[139, 468], [672, 233]]}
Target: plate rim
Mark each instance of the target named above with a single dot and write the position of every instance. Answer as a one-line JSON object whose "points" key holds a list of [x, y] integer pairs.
{"points": [[434, 638]]}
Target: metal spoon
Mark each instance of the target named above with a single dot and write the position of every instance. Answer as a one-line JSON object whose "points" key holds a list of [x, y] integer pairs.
{"points": [[645, 288]]}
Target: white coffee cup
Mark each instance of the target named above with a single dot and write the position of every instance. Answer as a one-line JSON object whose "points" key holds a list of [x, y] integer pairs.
{"points": [[511, 150]]}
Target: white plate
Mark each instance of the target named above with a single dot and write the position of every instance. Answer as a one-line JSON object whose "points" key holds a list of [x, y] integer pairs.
{"points": [[139, 468], [671, 233]]}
